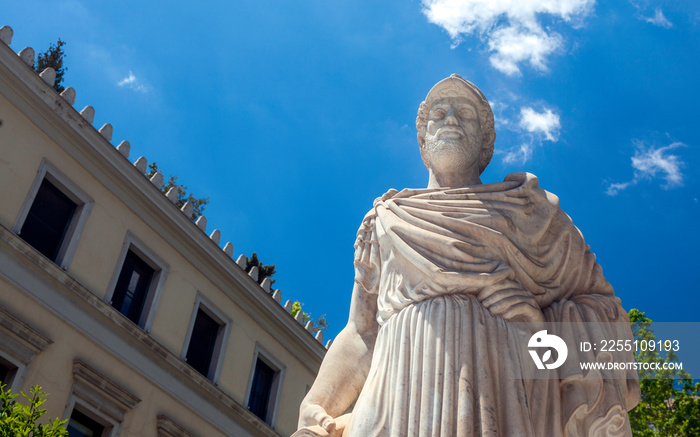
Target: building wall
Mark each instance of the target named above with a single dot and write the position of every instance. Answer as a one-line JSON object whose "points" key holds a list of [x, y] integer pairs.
{"points": [[71, 306]]}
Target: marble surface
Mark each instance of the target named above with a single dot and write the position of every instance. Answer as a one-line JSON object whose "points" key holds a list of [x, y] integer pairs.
{"points": [[445, 277]]}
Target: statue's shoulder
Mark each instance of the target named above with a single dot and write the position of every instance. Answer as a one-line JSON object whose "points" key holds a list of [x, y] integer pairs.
{"points": [[523, 178], [384, 197], [368, 219], [529, 185]]}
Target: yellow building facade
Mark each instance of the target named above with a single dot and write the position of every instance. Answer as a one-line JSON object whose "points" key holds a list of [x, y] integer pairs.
{"points": [[132, 318]]}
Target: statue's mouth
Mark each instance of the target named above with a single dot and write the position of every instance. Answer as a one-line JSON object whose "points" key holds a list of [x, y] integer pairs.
{"points": [[450, 132]]}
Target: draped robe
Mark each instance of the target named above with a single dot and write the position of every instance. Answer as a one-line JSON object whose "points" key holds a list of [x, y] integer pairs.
{"points": [[443, 365]]}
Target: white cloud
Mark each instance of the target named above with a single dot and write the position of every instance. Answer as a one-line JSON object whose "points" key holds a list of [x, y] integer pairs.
{"points": [[499, 109], [613, 189], [512, 46], [511, 28], [545, 123], [531, 126], [658, 19], [657, 163], [650, 163], [518, 155], [132, 82]]}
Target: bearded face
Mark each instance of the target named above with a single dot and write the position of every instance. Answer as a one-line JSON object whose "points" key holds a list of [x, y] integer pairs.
{"points": [[452, 136]]}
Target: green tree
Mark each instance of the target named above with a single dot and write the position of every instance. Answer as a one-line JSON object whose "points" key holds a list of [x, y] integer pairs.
{"points": [[264, 271], [53, 58], [320, 324], [19, 420], [670, 403], [183, 197]]}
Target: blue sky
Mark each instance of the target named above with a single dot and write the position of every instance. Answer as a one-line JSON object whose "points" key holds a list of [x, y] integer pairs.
{"points": [[292, 116]]}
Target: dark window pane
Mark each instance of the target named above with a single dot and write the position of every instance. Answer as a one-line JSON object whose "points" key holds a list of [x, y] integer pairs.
{"points": [[81, 425], [132, 287], [202, 342], [7, 371], [48, 220], [261, 389]]}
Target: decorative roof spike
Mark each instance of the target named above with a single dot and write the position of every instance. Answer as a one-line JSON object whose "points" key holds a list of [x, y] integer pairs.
{"points": [[228, 249], [106, 130], [6, 35], [68, 95], [288, 306], [124, 148], [141, 165], [329, 343], [309, 326], [254, 273], [266, 283], [299, 317], [27, 55], [319, 336], [277, 296], [172, 194], [88, 113], [157, 180], [48, 76], [242, 261], [202, 223], [187, 209], [216, 237]]}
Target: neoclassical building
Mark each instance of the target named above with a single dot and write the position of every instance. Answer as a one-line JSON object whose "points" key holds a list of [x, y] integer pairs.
{"points": [[132, 317]]}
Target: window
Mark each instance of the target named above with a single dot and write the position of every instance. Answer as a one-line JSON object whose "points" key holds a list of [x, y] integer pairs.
{"points": [[80, 425], [19, 343], [53, 216], [261, 389], [96, 406], [132, 287], [202, 342], [7, 372], [264, 388], [48, 220], [206, 337], [137, 282]]}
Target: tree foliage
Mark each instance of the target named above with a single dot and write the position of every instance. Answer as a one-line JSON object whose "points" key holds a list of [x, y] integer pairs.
{"points": [[53, 57], [670, 403], [264, 271], [320, 324], [19, 420], [183, 196]]}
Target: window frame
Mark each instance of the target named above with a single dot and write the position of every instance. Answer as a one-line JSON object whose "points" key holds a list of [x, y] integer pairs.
{"points": [[107, 425], [84, 204], [19, 344], [224, 321], [155, 288], [99, 398], [275, 390], [167, 427]]}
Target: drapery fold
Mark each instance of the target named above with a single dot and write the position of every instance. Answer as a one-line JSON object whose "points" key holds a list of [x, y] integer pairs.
{"points": [[443, 365]]}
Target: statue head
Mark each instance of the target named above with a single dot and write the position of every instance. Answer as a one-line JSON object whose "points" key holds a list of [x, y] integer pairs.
{"points": [[456, 89]]}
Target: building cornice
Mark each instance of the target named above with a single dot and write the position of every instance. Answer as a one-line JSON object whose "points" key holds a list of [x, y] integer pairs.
{"points": [[59, 282], [64, 125]]}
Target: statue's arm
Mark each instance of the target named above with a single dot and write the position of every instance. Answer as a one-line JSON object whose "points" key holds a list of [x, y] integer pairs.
{"points": [[345, 367]]}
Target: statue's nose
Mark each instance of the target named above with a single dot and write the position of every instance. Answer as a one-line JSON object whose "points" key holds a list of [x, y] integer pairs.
{"points": [[450, 117]]}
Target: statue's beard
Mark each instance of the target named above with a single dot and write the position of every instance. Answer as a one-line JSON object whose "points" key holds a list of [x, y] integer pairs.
{"points": [[455, 153]]}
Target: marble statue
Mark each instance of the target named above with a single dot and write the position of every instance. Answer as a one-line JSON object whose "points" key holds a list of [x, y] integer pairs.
{"points": [[443, 278]]}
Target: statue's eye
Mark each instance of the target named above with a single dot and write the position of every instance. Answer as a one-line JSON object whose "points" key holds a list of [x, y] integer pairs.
{"points": [[466, 113], [438, 113]]}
